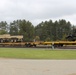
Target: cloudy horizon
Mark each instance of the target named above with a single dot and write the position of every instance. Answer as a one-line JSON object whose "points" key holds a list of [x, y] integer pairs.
{"points": [[37, 11]]}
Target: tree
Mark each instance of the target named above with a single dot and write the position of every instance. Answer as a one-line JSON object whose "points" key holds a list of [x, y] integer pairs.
{"points": [[14, 28], [27, 30], [64, 28], [43, 30], [57, 30], [3, 27]]}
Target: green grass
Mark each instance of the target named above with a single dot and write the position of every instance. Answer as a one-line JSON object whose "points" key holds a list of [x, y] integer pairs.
{"points": [[28, 53]]}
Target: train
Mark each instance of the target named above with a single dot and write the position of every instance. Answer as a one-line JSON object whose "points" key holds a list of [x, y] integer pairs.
{"points": [[17, 40]]}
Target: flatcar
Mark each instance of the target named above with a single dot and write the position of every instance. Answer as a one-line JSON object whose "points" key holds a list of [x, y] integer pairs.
{"points": [[17, 40]]}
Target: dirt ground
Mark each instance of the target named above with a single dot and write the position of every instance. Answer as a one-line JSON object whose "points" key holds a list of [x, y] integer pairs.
{"points": [[37, 67]]}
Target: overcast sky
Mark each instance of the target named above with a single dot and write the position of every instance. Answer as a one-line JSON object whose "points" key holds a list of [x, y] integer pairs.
{"points": [[38, 10]]}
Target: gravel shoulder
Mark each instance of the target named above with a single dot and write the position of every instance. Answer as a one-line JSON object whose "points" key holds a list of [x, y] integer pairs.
{"points": [[37, 67]]}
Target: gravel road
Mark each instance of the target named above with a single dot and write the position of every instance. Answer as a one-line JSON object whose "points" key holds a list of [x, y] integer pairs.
{"points": [[37, 67]]}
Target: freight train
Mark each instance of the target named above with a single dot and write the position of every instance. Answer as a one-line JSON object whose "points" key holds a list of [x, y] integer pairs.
{"points": [[17, 40]]}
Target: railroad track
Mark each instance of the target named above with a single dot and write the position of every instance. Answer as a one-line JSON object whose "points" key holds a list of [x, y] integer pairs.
{"points": [[64, 47], [67, 47]]}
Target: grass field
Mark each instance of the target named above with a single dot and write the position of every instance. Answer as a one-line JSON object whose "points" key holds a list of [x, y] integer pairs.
{"points": [[30, 53]]}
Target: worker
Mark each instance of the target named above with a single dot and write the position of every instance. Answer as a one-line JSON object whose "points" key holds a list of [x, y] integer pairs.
{"points": [[52, 45]]}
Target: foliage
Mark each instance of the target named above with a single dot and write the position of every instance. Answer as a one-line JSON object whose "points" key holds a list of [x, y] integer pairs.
{"points": [[44, 31], [13, 28], [22, 27], [3, 27], [27, 30], [54, 30]]}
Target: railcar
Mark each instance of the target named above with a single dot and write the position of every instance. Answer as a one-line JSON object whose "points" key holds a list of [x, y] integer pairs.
{"points": [[17, 40]]}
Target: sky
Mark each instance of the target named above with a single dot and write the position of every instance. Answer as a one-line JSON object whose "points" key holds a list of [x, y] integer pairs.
{"points": [[37, 11]]}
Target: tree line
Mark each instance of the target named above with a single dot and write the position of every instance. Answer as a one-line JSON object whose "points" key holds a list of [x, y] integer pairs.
{"points": [[44, 31]]}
